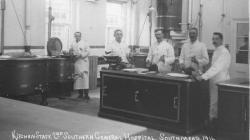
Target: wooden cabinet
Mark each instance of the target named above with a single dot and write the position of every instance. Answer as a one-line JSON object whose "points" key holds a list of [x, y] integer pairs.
{"points": [[233, 110], [176, 105]]}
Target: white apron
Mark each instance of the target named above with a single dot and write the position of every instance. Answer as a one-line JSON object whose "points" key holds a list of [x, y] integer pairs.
{"points": [[81, 66], [82, 72]]}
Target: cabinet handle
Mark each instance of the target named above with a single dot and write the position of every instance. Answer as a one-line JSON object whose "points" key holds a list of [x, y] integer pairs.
{"points": [[104, 88], [175, 102], [245, 115], [104, 91], [104, 94], [245, 121], [246, 108], [136, 96]]}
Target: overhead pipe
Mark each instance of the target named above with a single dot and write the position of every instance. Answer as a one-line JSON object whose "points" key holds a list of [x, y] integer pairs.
{"points": [[3, 7]]}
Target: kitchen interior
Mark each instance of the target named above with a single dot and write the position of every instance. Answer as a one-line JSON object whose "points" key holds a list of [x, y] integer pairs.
{"points": [[125, 100]]}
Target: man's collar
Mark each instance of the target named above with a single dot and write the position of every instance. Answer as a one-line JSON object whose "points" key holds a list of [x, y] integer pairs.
{"points": [[160, 42], [219, 47], [196, 41], [118, 42]]}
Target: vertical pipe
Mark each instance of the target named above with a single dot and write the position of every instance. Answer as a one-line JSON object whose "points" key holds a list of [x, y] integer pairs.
{"points": [[150, 30], [200, 20], [49, 23], [131, 22], [51, 18], [137, 31], [188, 14], [2, 26], [25, 23], [190, 11], [150, 23], [223, 17]]}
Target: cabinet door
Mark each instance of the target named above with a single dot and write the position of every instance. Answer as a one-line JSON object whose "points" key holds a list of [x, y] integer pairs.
{"points": [[159, 100], [246, 116], [117, 93], [230, 112]]}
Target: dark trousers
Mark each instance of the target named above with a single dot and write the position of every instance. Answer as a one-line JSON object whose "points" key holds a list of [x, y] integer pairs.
{"points": [[153, 67], [85, 91]]}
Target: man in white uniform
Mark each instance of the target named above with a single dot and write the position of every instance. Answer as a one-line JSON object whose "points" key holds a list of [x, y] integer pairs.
{"points": [[161, 53], [81, 50], [193, 53], [118, 47], [218, 72]]}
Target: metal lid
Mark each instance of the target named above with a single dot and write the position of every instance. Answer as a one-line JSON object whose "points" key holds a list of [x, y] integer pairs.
{"points": [[54, 46]]}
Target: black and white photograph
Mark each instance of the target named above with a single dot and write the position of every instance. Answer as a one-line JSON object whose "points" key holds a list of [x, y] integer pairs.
{"points": [[124, 70]]}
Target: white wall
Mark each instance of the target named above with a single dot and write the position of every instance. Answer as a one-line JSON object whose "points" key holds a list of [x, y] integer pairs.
{"points": [[93, 21], [36, 22], [13, 33], [213, 21], [34, 19], [142, 32], [87, 17], [90, 19]]}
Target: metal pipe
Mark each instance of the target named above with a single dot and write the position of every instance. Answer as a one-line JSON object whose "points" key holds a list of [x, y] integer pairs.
{"points": [[200, 20], [25, 23], [51, 18], [150, 23], [50, 22], [3, 7]]}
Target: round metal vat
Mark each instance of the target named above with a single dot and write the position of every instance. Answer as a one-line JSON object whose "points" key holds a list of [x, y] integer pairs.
{"points": [[60, 69], [23, 76]]}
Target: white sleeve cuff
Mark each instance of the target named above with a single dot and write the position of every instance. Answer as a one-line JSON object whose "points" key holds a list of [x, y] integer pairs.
{"points": [[204, 76]]}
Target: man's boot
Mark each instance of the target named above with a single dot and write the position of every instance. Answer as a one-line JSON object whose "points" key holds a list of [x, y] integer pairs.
{"points": [[86, 93], [80, 91]]}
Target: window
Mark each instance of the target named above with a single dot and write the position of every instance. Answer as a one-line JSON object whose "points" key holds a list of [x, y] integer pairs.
{"points": [[115, 19], [61, 10], [242, 43]]}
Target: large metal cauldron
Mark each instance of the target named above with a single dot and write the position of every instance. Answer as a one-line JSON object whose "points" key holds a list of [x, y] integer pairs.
{"points": [[60, 76], [23, 76], [61, 69]]}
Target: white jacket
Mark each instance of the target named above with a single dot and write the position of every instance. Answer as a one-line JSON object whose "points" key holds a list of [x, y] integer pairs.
{"points": [[219, 70], [156, 51], [197, 49], [118, 49]]}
